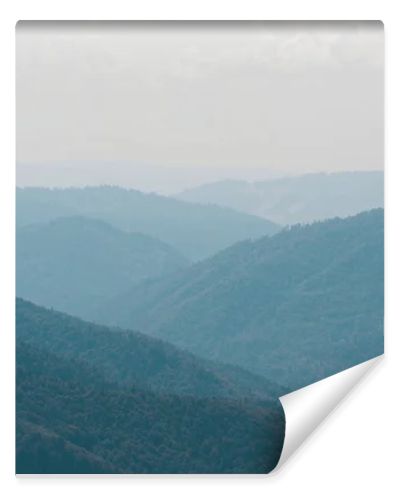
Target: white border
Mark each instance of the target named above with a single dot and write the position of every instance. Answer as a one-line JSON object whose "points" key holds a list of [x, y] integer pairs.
{"points": [[355, 452]]}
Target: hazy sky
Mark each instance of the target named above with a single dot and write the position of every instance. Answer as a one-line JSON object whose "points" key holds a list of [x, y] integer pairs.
{"points": [[165, 105]]}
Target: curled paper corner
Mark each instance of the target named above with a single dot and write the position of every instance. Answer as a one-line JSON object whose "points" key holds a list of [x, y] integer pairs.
{"points": [[306, 408]]}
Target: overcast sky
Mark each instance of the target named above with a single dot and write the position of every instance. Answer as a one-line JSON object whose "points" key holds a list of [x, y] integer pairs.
{"points": [[162, 106]]}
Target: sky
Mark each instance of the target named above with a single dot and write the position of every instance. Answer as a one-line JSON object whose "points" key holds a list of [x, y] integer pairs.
{"points": [[165, 106]]}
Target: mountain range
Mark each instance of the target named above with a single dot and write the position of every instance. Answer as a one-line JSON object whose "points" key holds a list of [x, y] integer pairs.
{"points": [[194, 230], [291, 200], [155, 335], [295, 307]]}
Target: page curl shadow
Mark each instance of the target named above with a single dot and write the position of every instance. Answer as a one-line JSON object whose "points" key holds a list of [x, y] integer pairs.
{"points": [[306, 408]]}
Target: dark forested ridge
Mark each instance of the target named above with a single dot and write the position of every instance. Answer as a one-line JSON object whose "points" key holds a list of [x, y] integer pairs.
{"points": [[76, 415], [74, 263], [127, 357], [291, 200], [197, 231], [295, 307]]}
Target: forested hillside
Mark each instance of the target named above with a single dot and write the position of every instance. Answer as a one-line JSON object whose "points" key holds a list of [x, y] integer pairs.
{"points": [[126, 357], [194, 230], [79, 413], [73, 263], [294, 307]]}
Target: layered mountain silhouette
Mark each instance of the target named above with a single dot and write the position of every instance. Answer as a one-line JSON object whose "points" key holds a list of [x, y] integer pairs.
{"points": [[195, 230], [175, 364], [291, 200], [98, 400], [73, 263], [295, 307]]}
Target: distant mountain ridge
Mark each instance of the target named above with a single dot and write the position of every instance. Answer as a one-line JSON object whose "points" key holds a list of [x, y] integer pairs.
{"points": [[295, 307], [73, 263], [194, 230], [292, 200]]}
